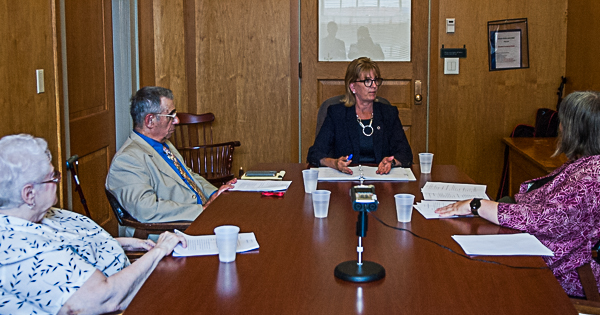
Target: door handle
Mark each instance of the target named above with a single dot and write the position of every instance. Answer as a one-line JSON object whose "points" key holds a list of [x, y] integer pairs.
{"points": [[418, 95]]}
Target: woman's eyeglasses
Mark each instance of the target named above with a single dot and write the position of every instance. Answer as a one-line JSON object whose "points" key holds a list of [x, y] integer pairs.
{"points": [[369, 82], [56, 176]]}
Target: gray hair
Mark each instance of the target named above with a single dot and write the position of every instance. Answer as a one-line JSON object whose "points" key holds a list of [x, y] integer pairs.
{"points": [[147, 101], [23, 160], [579, 115]]}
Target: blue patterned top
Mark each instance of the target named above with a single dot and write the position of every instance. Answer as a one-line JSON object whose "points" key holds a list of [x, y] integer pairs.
{"points": [[43, 264]]}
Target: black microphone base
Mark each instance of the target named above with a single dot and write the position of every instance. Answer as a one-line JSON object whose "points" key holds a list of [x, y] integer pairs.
{"points": [[353, 272]]}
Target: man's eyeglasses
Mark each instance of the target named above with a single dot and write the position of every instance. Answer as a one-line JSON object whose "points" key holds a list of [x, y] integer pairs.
{"points": [[369, 82], [172, 116], [56, 176]]}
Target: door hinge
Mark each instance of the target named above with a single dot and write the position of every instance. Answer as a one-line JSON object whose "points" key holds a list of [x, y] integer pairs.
{"points": [[300, 70]]}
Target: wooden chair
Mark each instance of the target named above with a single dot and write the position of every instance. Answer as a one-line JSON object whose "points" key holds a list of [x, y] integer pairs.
{"points": [[591, 305], [142, 230], [193, 138]]}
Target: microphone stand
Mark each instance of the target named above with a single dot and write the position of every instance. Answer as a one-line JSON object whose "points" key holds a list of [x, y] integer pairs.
{"points": [[359, 270]]}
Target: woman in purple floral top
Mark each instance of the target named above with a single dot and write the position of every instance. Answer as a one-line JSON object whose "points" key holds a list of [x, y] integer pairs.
{"points": [[561, 209]]}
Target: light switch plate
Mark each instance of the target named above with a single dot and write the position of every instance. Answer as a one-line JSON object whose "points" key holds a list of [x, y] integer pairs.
{"points": [[39, 76], [451, 65], [450, 25]]}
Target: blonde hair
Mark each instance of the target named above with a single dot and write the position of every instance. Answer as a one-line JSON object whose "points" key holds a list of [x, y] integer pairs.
{"points": [[355, 69]]}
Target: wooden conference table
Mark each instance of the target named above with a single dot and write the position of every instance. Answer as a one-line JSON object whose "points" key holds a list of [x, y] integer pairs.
{"points": [[292, 272]]}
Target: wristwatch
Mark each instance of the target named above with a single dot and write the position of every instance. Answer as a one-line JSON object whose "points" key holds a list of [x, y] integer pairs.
{"points": [[475, 205]]}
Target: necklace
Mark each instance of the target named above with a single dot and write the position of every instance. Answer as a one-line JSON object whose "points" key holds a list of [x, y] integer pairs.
{"points": [[365, 127]]}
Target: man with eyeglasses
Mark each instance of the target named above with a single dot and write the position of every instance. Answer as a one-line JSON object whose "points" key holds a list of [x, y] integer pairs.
{"points": [[148, 175]]}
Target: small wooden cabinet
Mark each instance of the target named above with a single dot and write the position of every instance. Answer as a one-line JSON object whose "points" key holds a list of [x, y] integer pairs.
{"points": [[530, 158]]}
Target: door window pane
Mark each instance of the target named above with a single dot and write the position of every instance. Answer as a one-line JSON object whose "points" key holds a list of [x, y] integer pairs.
{"points": [[378, 29]]}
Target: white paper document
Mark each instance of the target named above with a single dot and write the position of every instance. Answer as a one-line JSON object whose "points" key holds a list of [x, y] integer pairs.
{"points": [[522, 244], [450, 191], [201, 245], [260, 185], [369, 173], [427, 208]]}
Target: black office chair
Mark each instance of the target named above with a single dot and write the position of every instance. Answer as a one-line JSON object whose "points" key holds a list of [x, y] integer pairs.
{"points": [[332, 101], [142, 230]]}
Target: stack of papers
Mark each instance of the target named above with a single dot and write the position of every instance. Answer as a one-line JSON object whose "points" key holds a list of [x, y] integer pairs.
{"points": [[207, 244], [257, 185], [368, 172], [438, 194]]}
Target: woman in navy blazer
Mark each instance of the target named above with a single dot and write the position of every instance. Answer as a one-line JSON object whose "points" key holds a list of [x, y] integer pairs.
{"points": [[360, 129]]}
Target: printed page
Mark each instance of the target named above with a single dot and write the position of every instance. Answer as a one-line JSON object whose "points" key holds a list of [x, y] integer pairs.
{"points": [[368, 172], [427, 208], [260, 185], [451, 191], [201, 245]]}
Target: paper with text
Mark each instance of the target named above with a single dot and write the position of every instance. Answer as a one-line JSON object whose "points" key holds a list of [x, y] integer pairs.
{"points": [[201, 245], [260, 185], [427, 208], [369, 173], [451, 191]]}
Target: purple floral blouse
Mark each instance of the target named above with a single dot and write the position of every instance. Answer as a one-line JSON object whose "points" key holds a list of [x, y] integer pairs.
{"points": [[564, 215]]}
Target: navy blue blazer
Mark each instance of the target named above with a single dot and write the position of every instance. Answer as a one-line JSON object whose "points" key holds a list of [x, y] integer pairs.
{"points": [[337, 136]]}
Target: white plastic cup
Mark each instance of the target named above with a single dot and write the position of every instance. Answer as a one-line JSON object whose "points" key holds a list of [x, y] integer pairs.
{"points": [[425, 159], [321, 203], [404, 205], [227, 240], [311, 177]]}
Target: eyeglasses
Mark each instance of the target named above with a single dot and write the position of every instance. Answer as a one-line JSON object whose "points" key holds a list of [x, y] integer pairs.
{"points": [[369, 82], [56, 176], [172, 116]]}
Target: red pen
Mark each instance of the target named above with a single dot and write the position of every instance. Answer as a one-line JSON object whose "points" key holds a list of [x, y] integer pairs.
{"points": [[273, 193]]}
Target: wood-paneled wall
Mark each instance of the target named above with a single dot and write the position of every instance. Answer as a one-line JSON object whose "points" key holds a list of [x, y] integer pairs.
{"points": [[583, 47], [28, 32], [473, 110], [239, 69]]}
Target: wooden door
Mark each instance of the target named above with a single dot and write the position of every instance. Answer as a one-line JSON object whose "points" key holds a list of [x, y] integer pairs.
{"points": [[90, 98], [321, 80]]}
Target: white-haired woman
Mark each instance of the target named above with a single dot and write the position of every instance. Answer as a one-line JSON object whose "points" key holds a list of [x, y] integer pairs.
{"points": [[56, 261], [561, 209]]}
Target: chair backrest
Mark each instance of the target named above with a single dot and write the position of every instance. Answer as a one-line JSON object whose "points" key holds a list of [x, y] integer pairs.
{"points": [[142, 230], [193, 130], [193, 138], [332, 101]]}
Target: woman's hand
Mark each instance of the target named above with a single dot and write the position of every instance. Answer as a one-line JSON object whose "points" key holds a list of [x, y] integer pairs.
{"points": [[167, 242], [135, 244], [457, 208], [386, 165], [340, 164]]}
